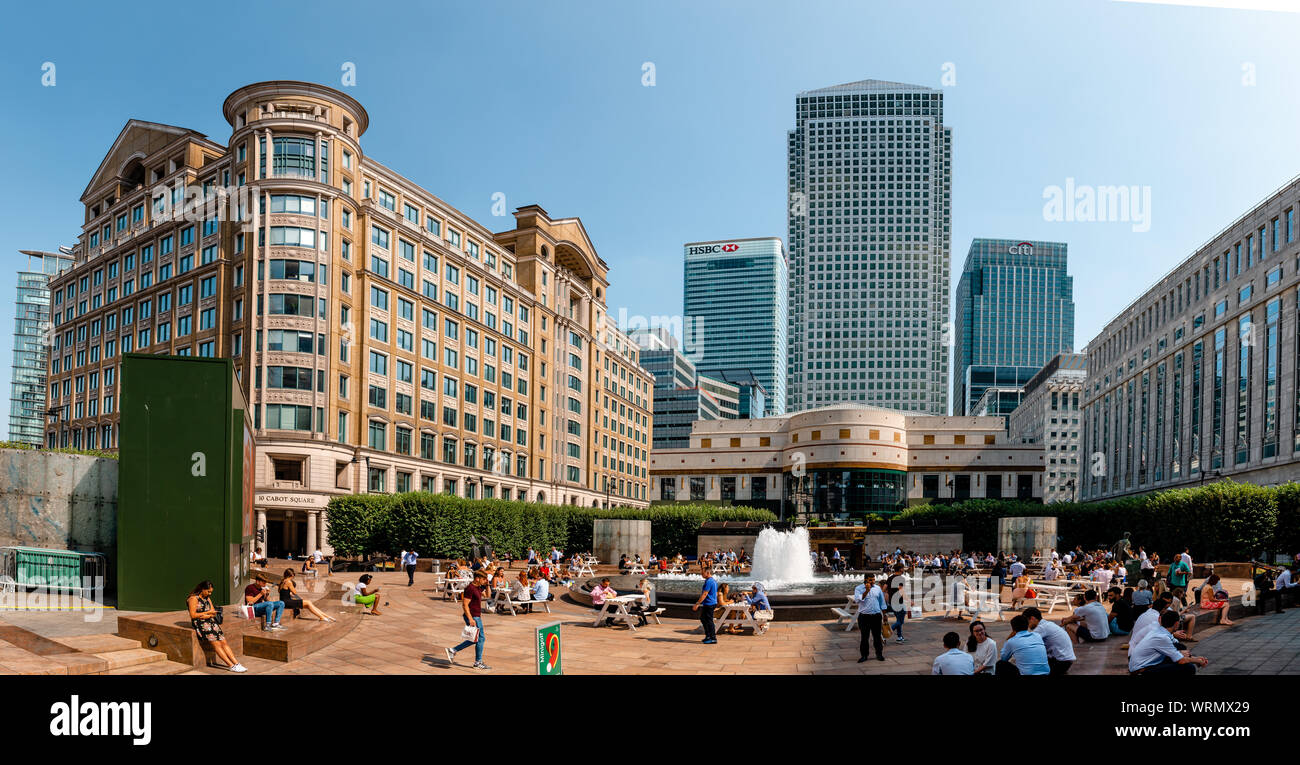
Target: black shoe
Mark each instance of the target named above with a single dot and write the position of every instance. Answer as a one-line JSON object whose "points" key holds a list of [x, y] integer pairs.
{"points": [[881, 657], [864, 658]]}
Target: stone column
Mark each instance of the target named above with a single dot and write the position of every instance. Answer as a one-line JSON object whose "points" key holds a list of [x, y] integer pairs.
{"points": [[310, 545], [261, 527]]}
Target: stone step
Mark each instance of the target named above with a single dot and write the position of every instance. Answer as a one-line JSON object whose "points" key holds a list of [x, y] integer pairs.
{"points": [[103, 643], [153, 668], [131, 657], [23, 662]]}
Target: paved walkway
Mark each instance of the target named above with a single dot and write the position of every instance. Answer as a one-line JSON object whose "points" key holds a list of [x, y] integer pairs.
{"points": [[416, 625], [1268, 645]]}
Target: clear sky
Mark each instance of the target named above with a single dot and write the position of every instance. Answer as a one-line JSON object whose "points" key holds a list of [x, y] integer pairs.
{"points": [[543, 100]]}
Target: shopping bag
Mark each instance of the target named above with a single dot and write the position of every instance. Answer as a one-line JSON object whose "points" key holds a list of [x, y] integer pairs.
{"points": [[469, 634]]}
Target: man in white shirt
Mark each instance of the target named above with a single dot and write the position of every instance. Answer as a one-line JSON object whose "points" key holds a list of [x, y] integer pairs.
{"points": [[317, 557], [409, 559], [1016, 569], [1060, 646], [1090, 623], [1158, 652], [954, 661]]}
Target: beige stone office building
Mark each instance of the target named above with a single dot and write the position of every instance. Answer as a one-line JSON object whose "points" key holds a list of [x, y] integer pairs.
{"points": [[846, 461], [1050, 415], [388, 342], [1196, 378]]}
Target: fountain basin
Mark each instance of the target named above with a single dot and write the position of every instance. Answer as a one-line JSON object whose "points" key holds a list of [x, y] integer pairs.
{"points": [[809, 601]]}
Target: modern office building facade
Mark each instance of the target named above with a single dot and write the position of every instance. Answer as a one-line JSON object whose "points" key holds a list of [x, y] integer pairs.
{"points": [[1051, 415], [752, 400], [845, 462], [734, 298], [1196, 378], [29, 376], [386, 341], [682, 395], [870, 211], [1014, 312]]}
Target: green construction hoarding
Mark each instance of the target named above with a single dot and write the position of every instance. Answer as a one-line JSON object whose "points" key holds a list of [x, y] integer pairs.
{"points": [[185, 496]]}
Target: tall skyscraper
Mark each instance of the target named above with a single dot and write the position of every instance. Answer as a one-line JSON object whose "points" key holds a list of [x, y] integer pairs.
{"points": [[870, 229], [1015, 312], [734, 296], [31, 352]]}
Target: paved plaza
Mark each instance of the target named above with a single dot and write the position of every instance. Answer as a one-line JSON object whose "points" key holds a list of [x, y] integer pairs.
{"points": [[409, 637]]}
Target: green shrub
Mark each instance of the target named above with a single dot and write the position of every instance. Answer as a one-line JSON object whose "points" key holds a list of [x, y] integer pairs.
{"points": [[440, 525], [1219, 521]]}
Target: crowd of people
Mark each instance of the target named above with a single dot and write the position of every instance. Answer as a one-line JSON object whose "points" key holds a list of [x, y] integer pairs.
{"points": [[1157, 615]]}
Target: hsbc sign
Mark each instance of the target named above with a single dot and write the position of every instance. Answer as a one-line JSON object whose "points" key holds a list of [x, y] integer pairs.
{"points": [[1024, 248], [706, 249]]}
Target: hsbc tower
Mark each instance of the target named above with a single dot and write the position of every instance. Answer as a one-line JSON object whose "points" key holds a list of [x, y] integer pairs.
{"points": [[734, 300]]}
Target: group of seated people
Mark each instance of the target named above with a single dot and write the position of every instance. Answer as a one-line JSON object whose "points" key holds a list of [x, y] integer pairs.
{"points": [[729, 558]]}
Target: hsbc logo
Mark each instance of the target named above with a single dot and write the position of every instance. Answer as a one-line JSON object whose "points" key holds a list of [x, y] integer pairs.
{"points": [[711, 248], [1024, 248]]}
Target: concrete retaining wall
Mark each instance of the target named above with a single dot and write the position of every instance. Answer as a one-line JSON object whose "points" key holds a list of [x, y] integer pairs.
{"points": [[611, 538], [61, 501], [921, 543]]}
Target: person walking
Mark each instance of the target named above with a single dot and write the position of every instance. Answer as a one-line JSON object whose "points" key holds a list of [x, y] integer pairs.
{"points": [[408, 562], [708, 599], [471, 602], [871, 615]]}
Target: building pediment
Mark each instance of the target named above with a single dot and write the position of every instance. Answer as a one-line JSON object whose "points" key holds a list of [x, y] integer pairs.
{"points": [[138, 140]]}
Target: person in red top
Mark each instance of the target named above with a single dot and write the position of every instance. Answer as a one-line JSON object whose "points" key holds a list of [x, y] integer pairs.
{"points": [[471, 602], [257, 595]]}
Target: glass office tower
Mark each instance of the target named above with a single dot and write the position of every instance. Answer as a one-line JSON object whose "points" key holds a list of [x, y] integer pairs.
{"points": [[870, 212], [734, 297], [1015, 312], [31, 346]]}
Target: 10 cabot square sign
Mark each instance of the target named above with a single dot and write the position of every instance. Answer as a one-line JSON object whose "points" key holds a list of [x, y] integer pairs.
{"points": [[283, 499]]}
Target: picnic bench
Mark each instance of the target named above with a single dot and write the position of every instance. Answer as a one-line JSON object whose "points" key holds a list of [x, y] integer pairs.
{"points": [[740, 615], [1048, 595], [849, 612], [504, 601], [616, 608]]}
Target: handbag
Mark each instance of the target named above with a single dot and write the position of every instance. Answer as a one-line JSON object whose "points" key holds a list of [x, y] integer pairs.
{"points": [[1029, 593], [469, 634], [218, 617], [885, 631]]}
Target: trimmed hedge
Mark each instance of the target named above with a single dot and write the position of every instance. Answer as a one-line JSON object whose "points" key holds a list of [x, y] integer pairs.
{"points": [[1219, 521], [440, 525]]}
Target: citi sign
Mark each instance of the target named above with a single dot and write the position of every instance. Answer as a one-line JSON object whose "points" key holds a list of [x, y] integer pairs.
{"points": [[1024, 248], [706, 249]]}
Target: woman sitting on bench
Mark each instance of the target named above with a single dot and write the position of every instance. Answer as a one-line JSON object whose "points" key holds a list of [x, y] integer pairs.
{"points": [[289, 594]]}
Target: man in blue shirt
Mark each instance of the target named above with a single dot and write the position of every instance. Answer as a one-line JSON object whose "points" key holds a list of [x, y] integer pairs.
{"points": [[408, 562], [1026, 649], [871, 617], [1158, 653], [708, 599]]}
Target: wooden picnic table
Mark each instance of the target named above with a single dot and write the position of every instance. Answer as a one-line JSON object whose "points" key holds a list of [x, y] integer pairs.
{"points": [[616, 608], [637, 568], [740, 615]]}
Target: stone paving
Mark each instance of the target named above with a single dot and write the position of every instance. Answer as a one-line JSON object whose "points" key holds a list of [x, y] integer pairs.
{"points": [[1268, 645], [416, 625]]}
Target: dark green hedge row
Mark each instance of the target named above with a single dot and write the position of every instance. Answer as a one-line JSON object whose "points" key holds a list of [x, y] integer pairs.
{"points": [[440, 525], [1219, 521]]}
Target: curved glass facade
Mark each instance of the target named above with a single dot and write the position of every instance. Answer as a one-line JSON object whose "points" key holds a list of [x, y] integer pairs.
{"points": [[845, 494]]}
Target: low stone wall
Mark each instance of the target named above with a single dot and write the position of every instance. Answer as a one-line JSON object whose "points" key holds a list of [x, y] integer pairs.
{"points": [[921, 543], [60, 501]]}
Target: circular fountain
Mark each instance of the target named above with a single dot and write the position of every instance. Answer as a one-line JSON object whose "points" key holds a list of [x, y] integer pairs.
{"points": [[782, 562]]}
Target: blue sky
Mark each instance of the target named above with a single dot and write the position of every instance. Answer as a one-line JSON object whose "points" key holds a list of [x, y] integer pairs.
{"points": [[543, 101]]}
